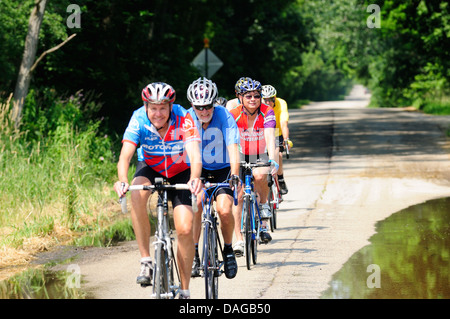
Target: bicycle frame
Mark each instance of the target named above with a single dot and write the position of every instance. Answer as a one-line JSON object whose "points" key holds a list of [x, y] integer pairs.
{"points": [[251, 217], [211, 265], [164, 286], [163, 277], [251, 196]]}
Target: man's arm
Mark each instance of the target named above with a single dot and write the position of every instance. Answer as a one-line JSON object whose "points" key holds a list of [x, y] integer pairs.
{"points": [[195, 158], [233, 153], [126, 154]]}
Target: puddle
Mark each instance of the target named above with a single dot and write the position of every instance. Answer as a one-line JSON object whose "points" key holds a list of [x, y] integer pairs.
{"points": [[41, 284], [409, 257]]}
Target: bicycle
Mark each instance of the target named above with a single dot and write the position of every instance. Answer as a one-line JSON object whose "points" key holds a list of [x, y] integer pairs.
{"points": [[210, 263], [274, 199], [251, 217], [164, 285]]}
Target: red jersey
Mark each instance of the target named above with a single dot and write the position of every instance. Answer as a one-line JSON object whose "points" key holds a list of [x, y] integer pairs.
{"points": [[252, 139]]}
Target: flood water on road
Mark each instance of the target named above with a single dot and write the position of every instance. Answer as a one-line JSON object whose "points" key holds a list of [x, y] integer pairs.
{"points": [[409, 257]]}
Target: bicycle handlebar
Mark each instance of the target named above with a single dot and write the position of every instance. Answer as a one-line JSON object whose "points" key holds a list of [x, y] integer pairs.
{"points": [[158, 186], [252, 165]]}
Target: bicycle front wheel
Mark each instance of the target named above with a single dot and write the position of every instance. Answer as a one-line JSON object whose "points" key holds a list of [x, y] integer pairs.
{"points": [[274, 198], [256, 234], [248, 232], [271, 203], [210, 263], [161, 274]]}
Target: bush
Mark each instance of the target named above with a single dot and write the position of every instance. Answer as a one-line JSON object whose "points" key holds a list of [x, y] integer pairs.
{"points": [[55, 170]]}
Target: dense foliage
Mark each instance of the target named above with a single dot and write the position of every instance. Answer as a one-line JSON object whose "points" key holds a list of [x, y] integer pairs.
{"points": [[405, 60], [123, 45]]}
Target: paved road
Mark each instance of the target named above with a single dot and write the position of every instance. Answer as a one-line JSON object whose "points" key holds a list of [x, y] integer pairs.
{"points": [[351, 166]]}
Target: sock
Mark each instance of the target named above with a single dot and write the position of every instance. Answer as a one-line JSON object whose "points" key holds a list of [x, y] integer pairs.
{"points": [[280, 177], [185, 293], [196, 250], [227, 246], [146, 260]]}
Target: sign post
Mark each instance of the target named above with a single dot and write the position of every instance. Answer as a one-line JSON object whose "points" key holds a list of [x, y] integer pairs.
{"points": [[206, 61]]}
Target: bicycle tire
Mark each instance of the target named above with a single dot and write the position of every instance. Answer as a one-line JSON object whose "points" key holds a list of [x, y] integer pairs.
{"points": [[208, 262], [247, 232], [161, 276], [274, 207], [215, 271], [256, 232], [271, 203]]}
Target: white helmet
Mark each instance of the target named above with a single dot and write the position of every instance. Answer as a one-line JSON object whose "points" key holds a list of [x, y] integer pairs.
{"points": [[268, 91], [158, 92], [202, 92]]}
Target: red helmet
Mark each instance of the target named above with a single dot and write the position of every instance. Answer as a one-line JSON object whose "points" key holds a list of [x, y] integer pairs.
{"points": [[158, 92]]}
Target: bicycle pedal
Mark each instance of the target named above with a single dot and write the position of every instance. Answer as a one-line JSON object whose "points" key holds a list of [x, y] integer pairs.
{"points": [[145, 285]]}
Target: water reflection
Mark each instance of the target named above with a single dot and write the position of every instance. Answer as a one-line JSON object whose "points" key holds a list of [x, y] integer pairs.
{"points": [[40, 284], [412, 250]]}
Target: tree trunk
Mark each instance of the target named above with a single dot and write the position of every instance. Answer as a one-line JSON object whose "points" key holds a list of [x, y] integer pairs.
{"points": [[29, 54]]}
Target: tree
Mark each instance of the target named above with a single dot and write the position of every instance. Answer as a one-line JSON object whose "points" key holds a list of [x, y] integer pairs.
{"points": [[29, 53]]}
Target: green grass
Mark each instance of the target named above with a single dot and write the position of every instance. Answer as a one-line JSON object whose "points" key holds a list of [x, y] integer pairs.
{"points": [[437, 108], [56, 177]]}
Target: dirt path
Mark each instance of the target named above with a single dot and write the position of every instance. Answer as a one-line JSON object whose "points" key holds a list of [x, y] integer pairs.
{"points": [[351, 167]]}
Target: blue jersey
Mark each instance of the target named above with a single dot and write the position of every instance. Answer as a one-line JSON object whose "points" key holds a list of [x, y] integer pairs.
{"points": [[221, 132], [166, 155]]}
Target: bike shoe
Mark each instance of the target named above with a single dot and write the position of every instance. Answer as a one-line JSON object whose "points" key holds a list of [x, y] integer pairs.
{"points": [[283, 187], [239, 248], [145, 276], [230, 263], [265, 211], [265, 237], [195, 272]]}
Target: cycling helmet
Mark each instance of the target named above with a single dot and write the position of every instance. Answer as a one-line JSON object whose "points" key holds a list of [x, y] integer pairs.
{"points": [[250, 85], [238, 84], [202, 92], [158, 93], [221, 101], [268, 91]]}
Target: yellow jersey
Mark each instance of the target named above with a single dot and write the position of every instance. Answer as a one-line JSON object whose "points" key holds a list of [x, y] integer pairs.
{"points": [[281, 114]]}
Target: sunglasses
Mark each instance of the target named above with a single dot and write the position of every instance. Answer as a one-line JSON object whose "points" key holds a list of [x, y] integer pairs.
{"points": [[269, 100], [204, 107], [249, 97]]}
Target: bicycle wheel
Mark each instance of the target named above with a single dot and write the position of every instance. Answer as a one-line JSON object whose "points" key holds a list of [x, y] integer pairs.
{"points": [[271, 203], [274, 207], [248, 231], [161, 274], [255, 238], [209, 262]]}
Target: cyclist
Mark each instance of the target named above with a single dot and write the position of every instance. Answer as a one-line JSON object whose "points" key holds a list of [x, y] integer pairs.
{"points": [[256, 123], [231, 104], [221, 101], [280, 108], [220, 157], [166, 133]]}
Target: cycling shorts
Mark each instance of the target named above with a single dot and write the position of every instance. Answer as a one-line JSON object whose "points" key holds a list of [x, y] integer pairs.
{"points": [[218, 176], [178, 197], [259, 158], [280, 140]]}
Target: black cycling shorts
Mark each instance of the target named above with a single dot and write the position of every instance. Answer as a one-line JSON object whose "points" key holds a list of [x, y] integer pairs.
{"points": [[259, 158], [218, 176], [178, 197]]}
